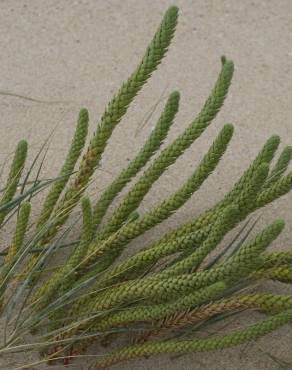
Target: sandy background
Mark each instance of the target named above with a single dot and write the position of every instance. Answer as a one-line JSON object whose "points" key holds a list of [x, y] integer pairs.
{"points": [[78, 53]]}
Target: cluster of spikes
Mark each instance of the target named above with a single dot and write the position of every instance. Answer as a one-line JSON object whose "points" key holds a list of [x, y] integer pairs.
{"points": [[168, 287]]}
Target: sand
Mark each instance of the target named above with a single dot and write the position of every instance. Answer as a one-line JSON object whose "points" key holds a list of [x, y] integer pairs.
{"points": [[70, 54]]}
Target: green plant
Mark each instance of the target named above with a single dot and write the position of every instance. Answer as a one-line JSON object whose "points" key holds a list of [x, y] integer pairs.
{"points": [[168, 285]]}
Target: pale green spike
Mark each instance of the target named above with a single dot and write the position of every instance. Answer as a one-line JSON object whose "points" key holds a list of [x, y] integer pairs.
{"points": [[14, 176], [280, 167], [20, 230], [58, 186], [150, 147], [265, 155], [86, 234], [275, 259], [276, 190], [281, 273]]}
